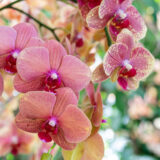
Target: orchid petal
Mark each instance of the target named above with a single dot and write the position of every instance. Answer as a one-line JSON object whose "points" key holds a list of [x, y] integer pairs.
{"points": [[115, 56], [25, 31], [64, 97], [56, 53], [7, 40], [33, 62], [94, 21], [37, 104], [75, 125], [74, 73]]}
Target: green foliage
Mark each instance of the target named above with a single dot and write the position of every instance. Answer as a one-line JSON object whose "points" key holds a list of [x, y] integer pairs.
{"points": [[46, 156]]}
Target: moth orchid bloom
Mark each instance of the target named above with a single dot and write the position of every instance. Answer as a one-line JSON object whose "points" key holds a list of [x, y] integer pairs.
{"points": [[86, 5], [128, 62], [48, 68], [117, 14], [14, 140], [1, 85], [53, 117], [12, 42]]}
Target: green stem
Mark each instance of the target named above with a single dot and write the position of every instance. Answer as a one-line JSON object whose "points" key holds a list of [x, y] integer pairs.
{"points": [[10, 4], [68, 2], [37, 21], [31, 17], [50, 150], [108, 37]]}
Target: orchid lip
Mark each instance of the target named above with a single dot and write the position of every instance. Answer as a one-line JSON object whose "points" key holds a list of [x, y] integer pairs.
{"points": [[52, 81], [11, 60]]}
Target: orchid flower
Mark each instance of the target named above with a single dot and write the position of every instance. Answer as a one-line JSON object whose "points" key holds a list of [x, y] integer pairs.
{"points": [[12, 42], [117, 14], [127, 62], [53, 117], [48, 68]]}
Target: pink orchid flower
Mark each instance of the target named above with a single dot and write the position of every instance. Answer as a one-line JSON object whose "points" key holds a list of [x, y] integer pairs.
{"points": [[86, 5], [53, 117], [1, 85], [117, 14], [14, 140], [12, 42], [48, 68], [128, 62]]}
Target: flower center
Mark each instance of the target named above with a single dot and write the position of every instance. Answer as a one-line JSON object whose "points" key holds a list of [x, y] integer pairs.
{"points": [[119, 22], [127, 70], [15, 144], [49, 127], [79, 42], [127, 65], [52, 81], [10, 65], [14, 140]]}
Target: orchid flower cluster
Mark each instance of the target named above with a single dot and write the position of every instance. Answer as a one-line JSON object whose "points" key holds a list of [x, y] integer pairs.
{"points": [[50, 76]]}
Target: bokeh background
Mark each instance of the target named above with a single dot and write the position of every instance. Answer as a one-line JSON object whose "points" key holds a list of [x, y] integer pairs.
{"points": [[132, 131]]}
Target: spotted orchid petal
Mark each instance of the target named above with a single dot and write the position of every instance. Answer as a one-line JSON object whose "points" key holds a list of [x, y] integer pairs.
{"points": [[115, 56], [126, 37], [94, 21], [143, 61], [86, 5], [137, 24], [99, 75], [107, 8]]}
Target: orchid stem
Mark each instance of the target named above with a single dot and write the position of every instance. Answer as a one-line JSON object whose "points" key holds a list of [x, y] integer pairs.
{"points": [[10, 4], [50, 150], [69, 3], [108, 37], [31, 17]]}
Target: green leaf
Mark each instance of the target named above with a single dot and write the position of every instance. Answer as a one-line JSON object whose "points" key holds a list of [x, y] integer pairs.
{"points": [[10, 157], [46, 156]]}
